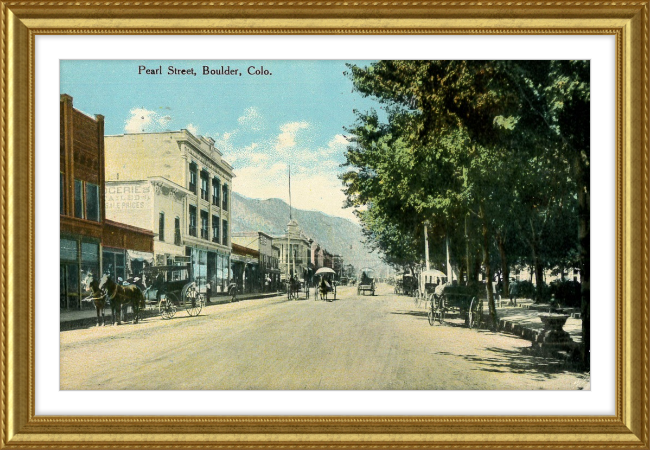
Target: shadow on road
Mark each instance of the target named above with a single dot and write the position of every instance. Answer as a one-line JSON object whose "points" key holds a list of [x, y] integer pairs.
{"points": [[411, 313], [519, 361], [457, 321]]}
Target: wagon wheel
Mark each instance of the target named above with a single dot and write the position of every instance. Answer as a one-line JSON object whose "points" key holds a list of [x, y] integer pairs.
{"points": [[193, 301], [472, 315], [431, 316], [167, 306], [417, 300]]}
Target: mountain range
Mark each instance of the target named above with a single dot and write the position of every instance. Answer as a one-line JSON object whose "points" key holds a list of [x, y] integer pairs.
{"points": [[338, 235]]}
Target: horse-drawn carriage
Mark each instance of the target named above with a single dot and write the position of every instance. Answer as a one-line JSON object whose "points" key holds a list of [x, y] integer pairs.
{"points": [[173, 288], [427, 282], [297, 289], [462, 300], [406, 284], [326, 283], [366, 282]]}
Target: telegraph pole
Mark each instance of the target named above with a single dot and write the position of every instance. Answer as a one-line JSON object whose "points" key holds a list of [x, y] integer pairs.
{"points": [[426, 244]]}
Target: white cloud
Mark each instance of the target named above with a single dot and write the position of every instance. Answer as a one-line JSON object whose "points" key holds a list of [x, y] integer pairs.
{"points": [[164, 121], [192, 129], [263, 172], [337, 141], [251, 119], [287, 137], [142, 120]]}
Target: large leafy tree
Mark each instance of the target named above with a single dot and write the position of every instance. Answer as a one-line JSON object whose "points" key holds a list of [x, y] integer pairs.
{"points": [[504, 143]]}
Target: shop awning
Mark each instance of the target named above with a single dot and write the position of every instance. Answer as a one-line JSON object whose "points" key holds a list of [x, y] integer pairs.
{"points": [[135, 255]]}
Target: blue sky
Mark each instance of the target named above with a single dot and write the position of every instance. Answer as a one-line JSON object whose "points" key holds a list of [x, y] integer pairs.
{"points": [[261, 123]]}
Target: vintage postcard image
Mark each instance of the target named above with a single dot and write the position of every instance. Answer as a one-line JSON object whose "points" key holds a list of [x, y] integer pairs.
{"points": [[324, 225]]}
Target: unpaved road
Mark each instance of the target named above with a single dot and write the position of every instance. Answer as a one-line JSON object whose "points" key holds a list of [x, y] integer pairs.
{"points": [[355, 342]]}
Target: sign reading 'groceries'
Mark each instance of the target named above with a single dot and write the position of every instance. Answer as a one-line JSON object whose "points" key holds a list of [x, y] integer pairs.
{"points": [[127, 197]]}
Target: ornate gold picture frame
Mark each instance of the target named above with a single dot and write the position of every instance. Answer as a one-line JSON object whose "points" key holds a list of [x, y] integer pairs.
{"points": [[22, 21]]}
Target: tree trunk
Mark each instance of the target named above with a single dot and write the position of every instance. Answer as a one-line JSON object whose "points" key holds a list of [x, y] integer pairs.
{"points": [[582, 178], [505, 270], [488, 271], [537, 264], [478, 259]]}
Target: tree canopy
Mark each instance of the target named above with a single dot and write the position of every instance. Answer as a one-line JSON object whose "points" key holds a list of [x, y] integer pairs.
{"points": [[498, 147]]}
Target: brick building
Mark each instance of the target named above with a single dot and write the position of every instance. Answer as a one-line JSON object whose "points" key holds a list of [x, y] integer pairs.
{"points": [[84, 231]]}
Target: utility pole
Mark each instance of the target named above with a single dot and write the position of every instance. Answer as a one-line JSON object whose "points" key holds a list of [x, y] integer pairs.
{"points": [[289, 227], [449, 272], [466, 252], [426, 244]]}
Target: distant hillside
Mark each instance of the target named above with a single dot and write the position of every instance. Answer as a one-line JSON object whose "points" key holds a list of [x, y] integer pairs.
{"points": [[337, 235]]}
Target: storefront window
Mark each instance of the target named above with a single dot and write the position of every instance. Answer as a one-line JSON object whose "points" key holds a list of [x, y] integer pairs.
{"points": [[89, 260], [68, 250], [72, 285], [113, 262]]}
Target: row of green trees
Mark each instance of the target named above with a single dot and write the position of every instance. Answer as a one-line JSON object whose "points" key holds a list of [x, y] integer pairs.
{"points": [[494, 155]]}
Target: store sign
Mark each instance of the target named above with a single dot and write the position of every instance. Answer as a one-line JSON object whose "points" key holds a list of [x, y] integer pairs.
{"points": [[127, 197]]}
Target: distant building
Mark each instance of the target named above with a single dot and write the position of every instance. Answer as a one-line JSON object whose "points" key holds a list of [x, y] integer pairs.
{"points": [[90, 244], [269, 273], [295, 252], [188, 205], [337, 264], [245, 263]]}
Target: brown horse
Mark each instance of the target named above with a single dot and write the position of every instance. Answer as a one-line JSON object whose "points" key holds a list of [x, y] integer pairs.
{"points": [[122, 296], [98, 297]]}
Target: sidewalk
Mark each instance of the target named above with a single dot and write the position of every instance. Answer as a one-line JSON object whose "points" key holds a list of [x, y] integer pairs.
{"points": [[523, 320], [71, 320]]}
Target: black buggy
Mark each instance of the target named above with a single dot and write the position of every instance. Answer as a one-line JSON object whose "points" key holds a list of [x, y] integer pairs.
{"points": [[173, 288]]}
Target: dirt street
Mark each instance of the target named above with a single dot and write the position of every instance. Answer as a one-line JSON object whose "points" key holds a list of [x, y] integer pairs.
{"points": [[355, 342]]}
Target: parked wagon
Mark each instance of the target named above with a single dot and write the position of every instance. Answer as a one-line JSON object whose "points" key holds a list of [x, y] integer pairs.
{"points": [[461, 300], [406, 284], [173, 288], [427, 282]]}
